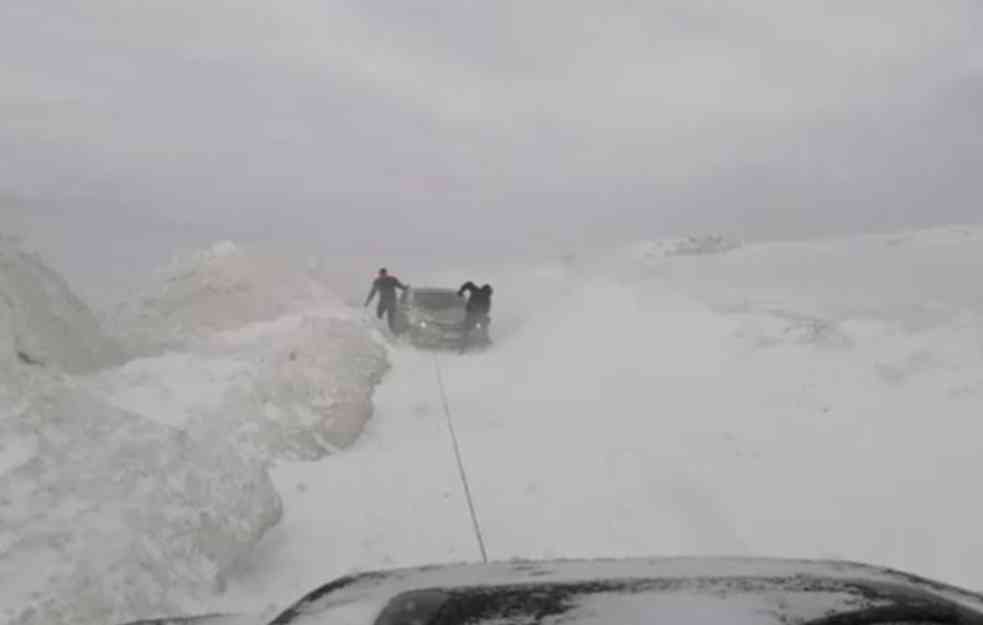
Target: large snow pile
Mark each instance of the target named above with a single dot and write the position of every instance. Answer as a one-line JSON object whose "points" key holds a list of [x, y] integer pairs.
{"points": [[314, 381], [104, 515], [42, 322], [295, 388], [218, 289], [108, 516], [255, 348]]}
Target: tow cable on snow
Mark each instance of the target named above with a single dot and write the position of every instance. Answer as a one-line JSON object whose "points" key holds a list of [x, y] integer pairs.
{"points": [[460, 463]]}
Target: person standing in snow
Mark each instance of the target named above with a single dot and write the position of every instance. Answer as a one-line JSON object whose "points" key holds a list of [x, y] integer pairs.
{"points": [[478, 306], [385, 286]]}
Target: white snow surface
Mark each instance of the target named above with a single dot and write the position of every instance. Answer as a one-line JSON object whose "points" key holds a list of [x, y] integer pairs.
{"points": [[818, 399], [112, 516], [295, 388]]}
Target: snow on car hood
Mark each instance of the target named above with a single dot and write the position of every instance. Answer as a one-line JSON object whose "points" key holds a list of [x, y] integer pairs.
{"points": [[630, 592]]}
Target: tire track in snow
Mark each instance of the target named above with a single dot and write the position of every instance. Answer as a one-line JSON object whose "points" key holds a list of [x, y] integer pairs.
{"points": [[460, 463], [390, 500]]}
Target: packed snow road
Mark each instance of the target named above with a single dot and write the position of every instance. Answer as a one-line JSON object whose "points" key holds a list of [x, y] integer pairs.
{"points": [[658, 430]]}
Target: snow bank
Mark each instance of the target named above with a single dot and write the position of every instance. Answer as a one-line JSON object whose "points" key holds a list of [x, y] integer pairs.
{"points": [[219, 289], [108, 516], [256, 348], [292, 389], [312, 392], [42, 322], [104, 515]]}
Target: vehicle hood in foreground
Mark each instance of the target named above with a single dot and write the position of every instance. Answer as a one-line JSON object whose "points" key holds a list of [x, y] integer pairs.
{"points": [[634, 592]]}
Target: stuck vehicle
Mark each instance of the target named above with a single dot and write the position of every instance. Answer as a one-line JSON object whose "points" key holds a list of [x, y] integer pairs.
{"points": [[437, 317]]}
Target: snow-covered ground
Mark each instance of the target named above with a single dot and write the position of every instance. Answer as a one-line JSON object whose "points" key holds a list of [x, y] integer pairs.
{"points": [[815, 399]]}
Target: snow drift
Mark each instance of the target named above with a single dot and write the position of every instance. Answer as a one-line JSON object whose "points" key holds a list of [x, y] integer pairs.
{"points": [[314, 382], [106, 515], [218, 289], [292, 389], [109, 517], [250, 346]]}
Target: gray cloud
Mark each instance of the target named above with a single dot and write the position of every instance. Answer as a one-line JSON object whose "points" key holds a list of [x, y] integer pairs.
{"points": [[424, 126]]}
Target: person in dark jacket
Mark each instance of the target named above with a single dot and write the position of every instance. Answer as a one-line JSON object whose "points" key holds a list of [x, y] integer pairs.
{"points": [[478, 306], [385, 287]]}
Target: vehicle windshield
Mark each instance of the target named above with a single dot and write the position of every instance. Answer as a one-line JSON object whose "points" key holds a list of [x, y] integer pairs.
{"points": [[720, 266]]}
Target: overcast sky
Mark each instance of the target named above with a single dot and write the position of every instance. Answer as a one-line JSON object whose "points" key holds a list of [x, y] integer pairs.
{"points": [[424, 126]]}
